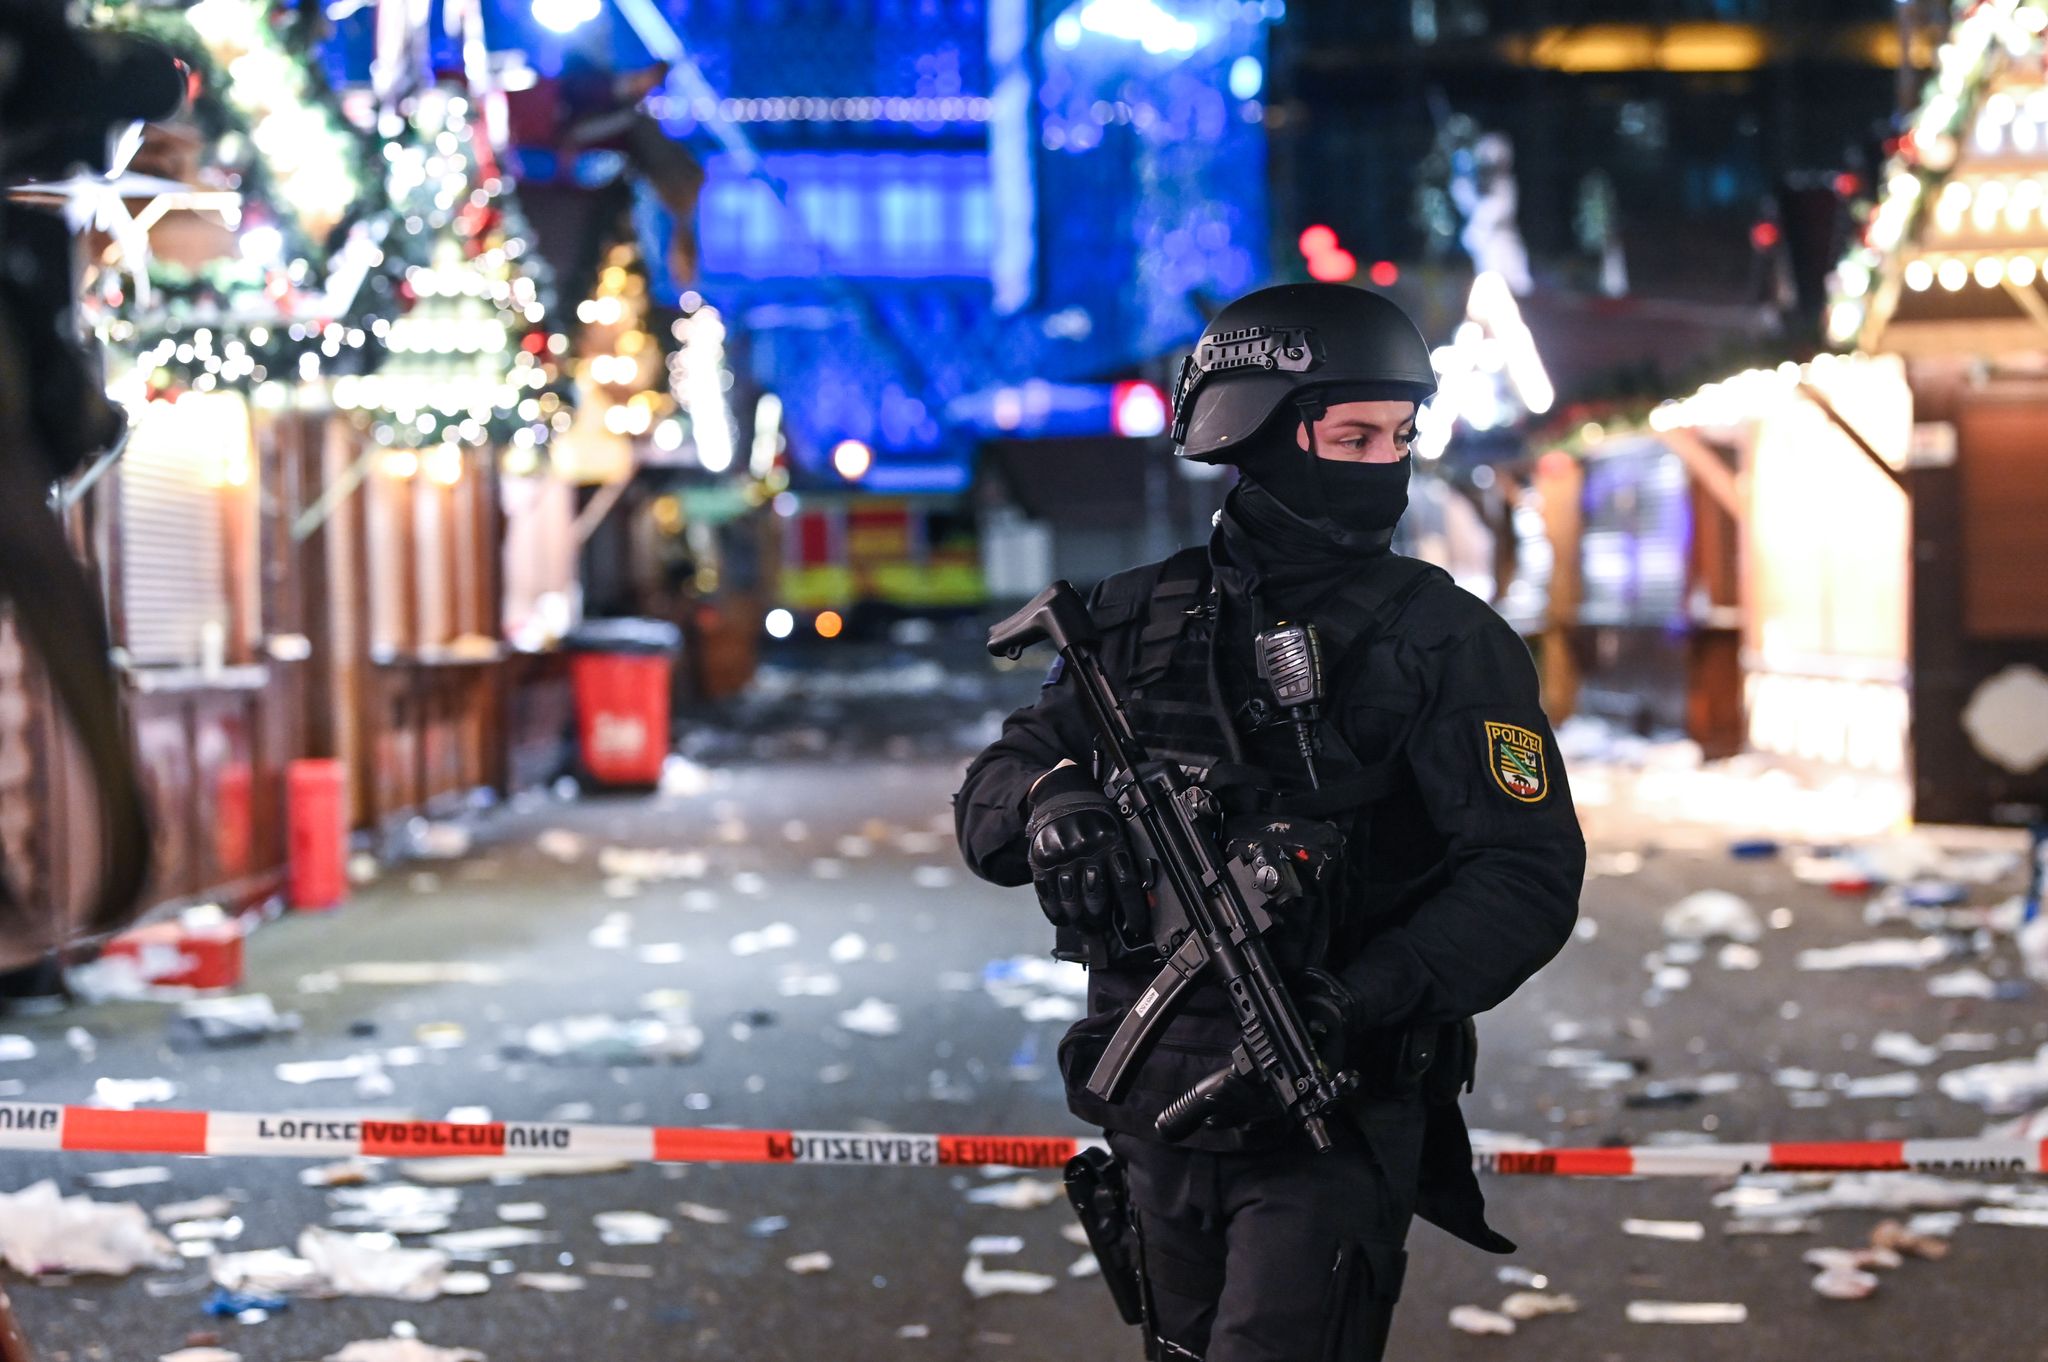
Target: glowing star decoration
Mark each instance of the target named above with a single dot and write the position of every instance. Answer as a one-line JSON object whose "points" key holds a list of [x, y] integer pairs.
{"points": [[1490, 374]]}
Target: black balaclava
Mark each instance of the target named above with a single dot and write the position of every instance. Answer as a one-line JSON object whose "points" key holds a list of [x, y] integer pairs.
{"points": [[1348, 498]]}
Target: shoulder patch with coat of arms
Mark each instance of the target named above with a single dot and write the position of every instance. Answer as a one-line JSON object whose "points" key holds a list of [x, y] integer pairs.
{"points": [[1515, 756]]}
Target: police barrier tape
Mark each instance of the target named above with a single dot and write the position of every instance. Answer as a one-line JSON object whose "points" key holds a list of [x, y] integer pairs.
{"points": [[53, 1127]]}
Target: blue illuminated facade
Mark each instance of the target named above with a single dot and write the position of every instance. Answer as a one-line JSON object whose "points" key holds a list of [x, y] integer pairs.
{"points": [[913, 204]]}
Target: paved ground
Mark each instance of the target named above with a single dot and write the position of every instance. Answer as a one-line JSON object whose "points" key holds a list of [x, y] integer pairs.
{"points": [[777, 786]]}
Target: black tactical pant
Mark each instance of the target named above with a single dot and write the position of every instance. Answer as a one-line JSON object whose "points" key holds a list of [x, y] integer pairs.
{"points": [[1284, 1255]]}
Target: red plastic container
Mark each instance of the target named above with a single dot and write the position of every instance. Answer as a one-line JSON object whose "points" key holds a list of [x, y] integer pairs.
{"points": [[180, 956], [622, 706], [317, 795]]}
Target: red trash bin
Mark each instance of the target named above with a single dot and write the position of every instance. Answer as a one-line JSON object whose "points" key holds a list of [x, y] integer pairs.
{"points": [[317, 799], [621, 672]]}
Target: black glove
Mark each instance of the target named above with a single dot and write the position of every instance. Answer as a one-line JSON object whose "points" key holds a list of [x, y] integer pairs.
{"points": [[1335, 1015], [1081, 865]]}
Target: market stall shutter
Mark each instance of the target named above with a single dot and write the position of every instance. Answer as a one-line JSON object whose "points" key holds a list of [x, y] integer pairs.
{"points": [[186, 469]]}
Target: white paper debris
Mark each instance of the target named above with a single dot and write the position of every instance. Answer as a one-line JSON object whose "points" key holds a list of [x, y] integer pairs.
{"points": [[1687, 1312], [111, 1179], [372, 1265], [1712, 913], [804, 1264], [402, 1350], [984, 1282], [703, 1215], [1887, 952], [125, 1094], [1883, 1085], [1023, 1194], [773, 937], [617, 1228], [42, 1230], [1902, 1048], [872, 1017], [995, 1245], [2003, 1087], [1471, 1319], [1962, 983], [1687, 1231], [1525, 1305]]}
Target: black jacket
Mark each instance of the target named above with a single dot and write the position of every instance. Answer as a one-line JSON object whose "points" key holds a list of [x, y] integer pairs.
{"points": [[1472, 864]]}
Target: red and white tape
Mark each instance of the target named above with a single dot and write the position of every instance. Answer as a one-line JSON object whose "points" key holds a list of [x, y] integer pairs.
{"points": [[51, 1127]]}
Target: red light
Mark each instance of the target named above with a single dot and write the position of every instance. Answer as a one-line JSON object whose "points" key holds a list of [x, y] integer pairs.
{"points": [[1333, 267], [1317, 240], [1384, 274], [1764, 235], [1137, 410], [1848, 185]]}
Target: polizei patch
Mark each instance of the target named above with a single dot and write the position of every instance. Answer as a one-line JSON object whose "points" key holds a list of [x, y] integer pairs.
{"points": [[1515, 756]]}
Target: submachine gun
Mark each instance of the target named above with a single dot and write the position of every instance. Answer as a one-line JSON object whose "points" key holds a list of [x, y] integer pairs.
{"points": [[1210, 908]]}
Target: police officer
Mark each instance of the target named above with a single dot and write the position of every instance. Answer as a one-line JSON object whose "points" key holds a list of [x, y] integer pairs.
{"points": [[1461, 857]]}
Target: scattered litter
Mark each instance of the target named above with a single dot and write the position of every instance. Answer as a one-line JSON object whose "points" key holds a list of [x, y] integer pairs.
{"points": [[2030, 1217], [1689, 1231], [1516, 1275], [1901, 1048], [1524, 1305], [848, 948], [483, 1243], [243, 1020], [640, 1271], [42, 1230], [798, 982], [372, 1265], [329, 1070], [125, 1094], [984, 1282], [438, 841], [1880, 953], [651, 863], [1687, 1312], [2002, 1087], [804, 1264], [227, 1304], [1471, 1319], [402, 1350], [1022, 1194], [774, 936], [549, 1281], [615, 933], [1883, 1085], [661, 953], [113, 1179], [1591, 1067], [1843, 1283], [420, 973], [1087, 1265], [932, 877], [199, 1208], [560, 844], [767, 1226], [1963, 983], [1904, 1239], [1712, 913], [440, 1035], [1736, 956], [351, 1172], [995, 1245], [1681, 1092], [1754, 849], [395, 1207], [703, 1215], [600, 1038], [522, 1212], [872, 1017], [1772, 1225], [216, 1229], [620, 1228], [1930, 1224], [205, 1354]]}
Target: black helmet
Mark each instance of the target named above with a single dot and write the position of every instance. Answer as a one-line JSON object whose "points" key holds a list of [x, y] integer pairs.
{"points": [[1311, 343]]}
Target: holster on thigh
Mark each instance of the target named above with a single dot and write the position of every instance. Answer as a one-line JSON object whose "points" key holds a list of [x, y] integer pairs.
{"points": [[1365, 1282]]}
